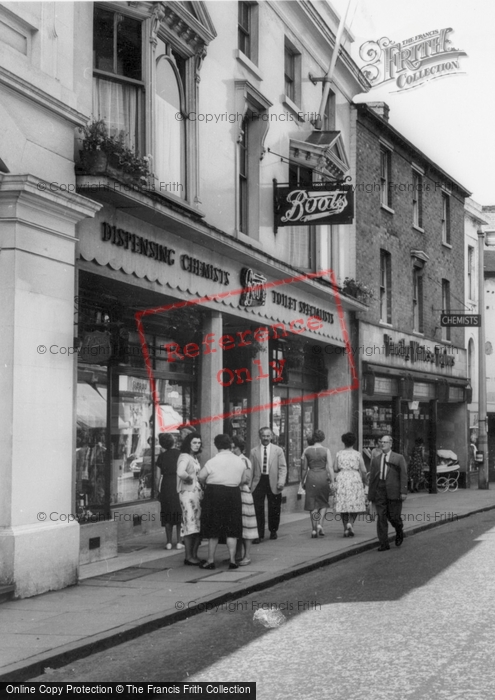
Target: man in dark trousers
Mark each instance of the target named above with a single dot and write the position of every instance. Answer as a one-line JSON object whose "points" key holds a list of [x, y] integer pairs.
{"points": [[269, 472], [388, 490]]}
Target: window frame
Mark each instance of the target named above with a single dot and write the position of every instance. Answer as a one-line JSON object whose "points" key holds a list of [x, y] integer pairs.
{"points": [[251, 32], [446, 305], [292, 79], [471, 286], [385, 287], [418, 300], [446, 227], [386, 177], [417, 200]]}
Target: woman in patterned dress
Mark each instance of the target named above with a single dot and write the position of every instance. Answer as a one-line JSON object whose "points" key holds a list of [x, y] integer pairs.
{"points": [[316, 479], [190, 495], [249, 523], [351, 476]]}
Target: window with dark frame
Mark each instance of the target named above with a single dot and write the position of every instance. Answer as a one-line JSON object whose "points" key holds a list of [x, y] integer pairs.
{"points": [[117, 75], [470, 272], [417, 199], [446, 331], [418, 324], [244, 175], [446, 218], [385, 286], [244, 28], [290, 72], [301, 239], [385, 176]]}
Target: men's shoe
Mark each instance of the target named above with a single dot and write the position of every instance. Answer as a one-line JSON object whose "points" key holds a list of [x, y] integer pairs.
{"points": [[233, 566], [273, 535], [399, 538], [383, 547]]}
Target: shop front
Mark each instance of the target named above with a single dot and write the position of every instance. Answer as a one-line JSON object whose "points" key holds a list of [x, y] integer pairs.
{"points": [[214, 352], [413, 388]]}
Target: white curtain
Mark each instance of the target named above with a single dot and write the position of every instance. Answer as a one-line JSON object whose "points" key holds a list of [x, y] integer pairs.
{"points": [[299, 239], [117, 104], [169, 165]]}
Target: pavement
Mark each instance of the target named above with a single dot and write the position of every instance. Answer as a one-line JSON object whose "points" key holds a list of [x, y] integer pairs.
{"points": [[147, 587]]}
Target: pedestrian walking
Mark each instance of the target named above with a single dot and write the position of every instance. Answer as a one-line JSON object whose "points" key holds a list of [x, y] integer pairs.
{"points": [[350, 478], [249, 523], [317, 479], [222, 506], [190, 495], [269, 474], [170, 510], [388, 490]]}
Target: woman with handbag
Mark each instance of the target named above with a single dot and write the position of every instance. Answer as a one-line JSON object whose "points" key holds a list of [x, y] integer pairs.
{"points": [[190, 495], [317, 478], [351, 477]]}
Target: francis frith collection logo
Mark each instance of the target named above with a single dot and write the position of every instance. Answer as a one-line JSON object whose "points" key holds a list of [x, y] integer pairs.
{"points": [[412, 62]]}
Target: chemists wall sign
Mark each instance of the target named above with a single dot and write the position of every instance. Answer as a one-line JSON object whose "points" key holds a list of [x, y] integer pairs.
{"points": [[321, 203]]}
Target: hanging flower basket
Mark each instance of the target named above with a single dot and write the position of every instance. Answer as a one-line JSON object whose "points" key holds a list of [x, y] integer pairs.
{"points": [[94, 162]]}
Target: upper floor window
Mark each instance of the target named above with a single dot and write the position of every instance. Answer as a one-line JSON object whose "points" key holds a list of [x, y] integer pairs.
{"points": [[385, 176], [292, 72], [418, 323], [417, 199], [170, 133], [301, 239], [244, 175], [118, 88], [385, 286], [470, 272], [446, 335], [446, 218], [244, 28]]}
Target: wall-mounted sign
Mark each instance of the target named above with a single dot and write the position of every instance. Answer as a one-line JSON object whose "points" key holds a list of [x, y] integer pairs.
{"points": [[253, 292], [321, 203], [136, 244], [414, 352], [450, 320], [202, 269], [289, 302]]}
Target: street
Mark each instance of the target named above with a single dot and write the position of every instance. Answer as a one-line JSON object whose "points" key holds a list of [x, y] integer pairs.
{"points": [[414, 622]]}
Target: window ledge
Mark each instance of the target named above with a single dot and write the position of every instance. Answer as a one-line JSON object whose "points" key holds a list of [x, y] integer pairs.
{"points": [[247, 63], [418, 334], [386, 325], [387, 208], [447, 245], [418, 228], [292, 107]]}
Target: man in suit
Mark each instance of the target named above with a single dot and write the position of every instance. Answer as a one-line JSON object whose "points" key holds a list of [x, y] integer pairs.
{"points": [[269, 472], [388, 490]]}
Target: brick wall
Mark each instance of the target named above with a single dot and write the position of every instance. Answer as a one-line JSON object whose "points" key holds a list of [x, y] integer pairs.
{"points": [[378, 228]]}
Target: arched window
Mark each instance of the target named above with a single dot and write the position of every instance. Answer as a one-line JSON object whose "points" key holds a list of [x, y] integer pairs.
{"points": [[170, 129]]}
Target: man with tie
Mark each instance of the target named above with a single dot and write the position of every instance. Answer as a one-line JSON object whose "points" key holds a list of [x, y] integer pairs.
{"points": [[388, 490], [269, 472]]}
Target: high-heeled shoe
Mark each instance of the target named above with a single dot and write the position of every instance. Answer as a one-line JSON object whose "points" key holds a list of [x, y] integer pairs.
{"points": [[319, 530], [313, 534], [350, 530]]}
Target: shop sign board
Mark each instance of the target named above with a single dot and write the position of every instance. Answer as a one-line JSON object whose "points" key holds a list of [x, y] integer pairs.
{"points": [[451, 320], [321, 203]]}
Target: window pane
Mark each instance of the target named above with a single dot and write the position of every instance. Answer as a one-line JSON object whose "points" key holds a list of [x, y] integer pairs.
{"points": [[129, 47], [103, 40], [118, 104], [169, 163]]}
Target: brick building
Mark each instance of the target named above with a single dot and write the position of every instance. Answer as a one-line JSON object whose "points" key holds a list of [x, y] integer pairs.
{"points": [[410, 252]]}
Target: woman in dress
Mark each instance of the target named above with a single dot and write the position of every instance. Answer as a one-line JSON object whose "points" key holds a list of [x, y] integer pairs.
{"points": [[249, 523], [316, 479], [222, 506], [351, 476], [190, 495], [416, 464], [170, 511]]}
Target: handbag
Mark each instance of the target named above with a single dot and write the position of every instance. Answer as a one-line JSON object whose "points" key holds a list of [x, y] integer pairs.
{"points": [[301, 491]]}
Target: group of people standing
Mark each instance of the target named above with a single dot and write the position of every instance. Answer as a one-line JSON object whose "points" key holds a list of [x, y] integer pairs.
{"points": [[223, 501]]}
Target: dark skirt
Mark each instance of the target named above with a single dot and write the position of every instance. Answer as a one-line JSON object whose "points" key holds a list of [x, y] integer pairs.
{"points": [[170, 511], [221, 512]]}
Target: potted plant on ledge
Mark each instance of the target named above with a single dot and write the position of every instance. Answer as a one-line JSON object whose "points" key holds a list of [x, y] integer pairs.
{"points": [[104, 154], [358, 290]]}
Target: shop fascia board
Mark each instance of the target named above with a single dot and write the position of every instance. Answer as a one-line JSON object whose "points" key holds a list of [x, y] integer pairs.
{"points": [[188, 224], [415, 374]]}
